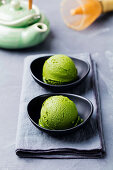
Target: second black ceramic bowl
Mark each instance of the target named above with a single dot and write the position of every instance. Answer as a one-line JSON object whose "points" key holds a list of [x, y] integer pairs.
{"points": [[84, 107], [36, 67]]}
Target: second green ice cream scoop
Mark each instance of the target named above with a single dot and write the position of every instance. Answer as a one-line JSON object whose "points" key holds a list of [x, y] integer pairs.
{"points": [[58, 113], [59, 69]]}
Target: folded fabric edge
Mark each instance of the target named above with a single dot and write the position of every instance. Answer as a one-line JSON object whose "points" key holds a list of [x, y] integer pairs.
{"points": [[91, 154], [98, 103]]}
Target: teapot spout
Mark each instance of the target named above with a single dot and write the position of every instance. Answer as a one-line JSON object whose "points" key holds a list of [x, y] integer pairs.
{"points": [[35, 34], [41, 27]]}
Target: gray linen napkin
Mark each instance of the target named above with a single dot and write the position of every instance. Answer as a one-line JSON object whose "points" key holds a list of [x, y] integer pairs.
{"points": [[84, 143]]}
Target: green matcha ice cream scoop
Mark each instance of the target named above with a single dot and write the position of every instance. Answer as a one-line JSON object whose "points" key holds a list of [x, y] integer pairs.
{"points": [[58, 113], [59, 69]]}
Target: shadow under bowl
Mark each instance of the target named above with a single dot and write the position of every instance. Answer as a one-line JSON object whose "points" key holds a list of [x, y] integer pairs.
{"points": [[36, 68], [84, 107]]}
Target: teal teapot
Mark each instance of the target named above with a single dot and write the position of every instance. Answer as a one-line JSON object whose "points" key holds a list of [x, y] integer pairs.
{"points": [[20, 27]]}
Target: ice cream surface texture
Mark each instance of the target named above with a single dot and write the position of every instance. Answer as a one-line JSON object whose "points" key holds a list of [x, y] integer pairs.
{"points": [[59, 69], [58, 113]]}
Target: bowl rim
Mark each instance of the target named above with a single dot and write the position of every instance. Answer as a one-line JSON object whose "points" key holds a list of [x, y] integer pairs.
{"points": [[65, 94], [63, 85]]}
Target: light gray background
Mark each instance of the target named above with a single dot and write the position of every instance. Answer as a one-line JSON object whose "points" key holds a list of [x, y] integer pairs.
{"points": [[98, 40]]}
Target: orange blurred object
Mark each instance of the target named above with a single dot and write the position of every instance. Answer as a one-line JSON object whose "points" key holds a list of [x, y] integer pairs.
{"points": [[30, 4], [79, 14], [87, 9], [76, 11]]}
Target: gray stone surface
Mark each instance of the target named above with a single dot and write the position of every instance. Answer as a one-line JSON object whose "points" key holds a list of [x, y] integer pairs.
{"points": [[97, 40]]}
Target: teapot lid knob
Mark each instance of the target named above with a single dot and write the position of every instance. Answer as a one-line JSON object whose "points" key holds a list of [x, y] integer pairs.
{"points": [[15, 4]]}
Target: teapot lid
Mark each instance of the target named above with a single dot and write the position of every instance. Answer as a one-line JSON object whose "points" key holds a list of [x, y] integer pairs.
{"points": [[16, 14]]}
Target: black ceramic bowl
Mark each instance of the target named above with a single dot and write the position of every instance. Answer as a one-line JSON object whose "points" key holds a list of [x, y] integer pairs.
{"points": [[37, 66], [84, 107]]}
